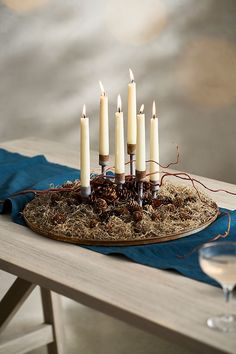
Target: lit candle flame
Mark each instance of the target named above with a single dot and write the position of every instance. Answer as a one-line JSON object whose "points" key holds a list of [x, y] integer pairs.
{"points": [[84, 111], [131, 75], [102, 88], [119, 106], [154, 109], [141, 109]]}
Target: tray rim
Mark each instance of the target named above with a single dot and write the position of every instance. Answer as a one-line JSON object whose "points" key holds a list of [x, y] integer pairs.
{"points": [[76, 240]]}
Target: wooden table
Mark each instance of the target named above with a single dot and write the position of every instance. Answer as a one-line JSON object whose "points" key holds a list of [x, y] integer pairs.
{"points": [[161, 302]]}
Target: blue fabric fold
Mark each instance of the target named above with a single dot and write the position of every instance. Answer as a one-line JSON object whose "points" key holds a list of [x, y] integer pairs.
{"points": [[174, 255], [18, 172]]}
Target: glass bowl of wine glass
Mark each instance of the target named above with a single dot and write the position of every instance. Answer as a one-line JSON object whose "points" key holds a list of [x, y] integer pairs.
{"points": [[218, 260]]}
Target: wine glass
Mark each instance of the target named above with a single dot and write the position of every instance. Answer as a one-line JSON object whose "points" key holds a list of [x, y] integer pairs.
{"points": [[218, 260]]}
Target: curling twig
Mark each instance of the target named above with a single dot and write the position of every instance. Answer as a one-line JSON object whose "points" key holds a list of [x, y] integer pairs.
{"points": [[215, 238], [192, 179], [169, 164], [111, 168]]}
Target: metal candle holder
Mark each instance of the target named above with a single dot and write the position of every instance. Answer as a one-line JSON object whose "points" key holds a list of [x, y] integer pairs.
{"points": [[103, 162], [140, 177], [155, 188], [120, 179], [131, 148], [85, 192]]}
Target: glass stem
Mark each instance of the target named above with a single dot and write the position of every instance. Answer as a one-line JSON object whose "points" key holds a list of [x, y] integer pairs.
{"points": [[227, 295]]}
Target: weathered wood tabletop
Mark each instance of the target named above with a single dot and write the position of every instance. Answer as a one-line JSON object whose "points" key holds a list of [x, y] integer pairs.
{"points": [[161, 302]]}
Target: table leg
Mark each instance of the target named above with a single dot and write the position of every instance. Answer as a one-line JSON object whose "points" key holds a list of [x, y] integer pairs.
{"points": [[52, 315], [13, 299], [50, 334]]}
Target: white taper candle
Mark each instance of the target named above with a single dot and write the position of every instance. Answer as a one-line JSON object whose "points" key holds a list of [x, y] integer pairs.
{"points": [[154, 146], [84, 150], [103, 123], [119, 139], [132, 111], [141, 144]]}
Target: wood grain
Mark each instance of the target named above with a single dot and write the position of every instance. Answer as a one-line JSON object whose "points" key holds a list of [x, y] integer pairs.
{"points": [[160, 302]]}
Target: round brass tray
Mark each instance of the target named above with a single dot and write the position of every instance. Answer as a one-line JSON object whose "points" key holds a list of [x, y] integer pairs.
{"points": [[128, 242]]}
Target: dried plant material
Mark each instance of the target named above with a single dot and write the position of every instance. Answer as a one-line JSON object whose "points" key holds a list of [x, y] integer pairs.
{"points": [[114, 215]]}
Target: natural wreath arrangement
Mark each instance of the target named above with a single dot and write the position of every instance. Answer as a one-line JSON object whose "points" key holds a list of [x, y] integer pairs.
{"points": [[113, 216]]}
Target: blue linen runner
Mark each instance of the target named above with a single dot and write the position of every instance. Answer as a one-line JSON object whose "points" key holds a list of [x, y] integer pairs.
{"points": [[18, 172]]}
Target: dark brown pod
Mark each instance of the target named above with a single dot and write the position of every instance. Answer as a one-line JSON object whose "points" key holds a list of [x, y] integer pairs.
{"points": [[137, 216]]}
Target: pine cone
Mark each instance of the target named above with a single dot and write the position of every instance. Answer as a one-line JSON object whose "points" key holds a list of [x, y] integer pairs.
{"points": [[147, 197], [155, 216], [109, 194], [100, 205], [122, 210], [184, 215], [178, 202], [104, 217], [123, 193], [156, 203], [137, 216], [132, 205], [93, 223], [58, 218], [170, 207], [54, 197], [104, 189]]}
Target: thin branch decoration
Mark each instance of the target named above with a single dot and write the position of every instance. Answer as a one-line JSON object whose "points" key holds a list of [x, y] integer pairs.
{"points": [[215, 238], [169, 164]]}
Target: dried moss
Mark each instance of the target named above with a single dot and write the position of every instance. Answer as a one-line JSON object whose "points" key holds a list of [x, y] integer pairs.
{"points": [[113, 214]]}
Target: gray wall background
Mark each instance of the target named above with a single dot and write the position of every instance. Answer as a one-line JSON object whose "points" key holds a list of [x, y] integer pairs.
{"points": [[182, 53]]}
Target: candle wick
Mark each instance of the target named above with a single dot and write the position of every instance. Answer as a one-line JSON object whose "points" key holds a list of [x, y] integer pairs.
{"points": [[154, 116], [132, 81], [119, 110]]}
